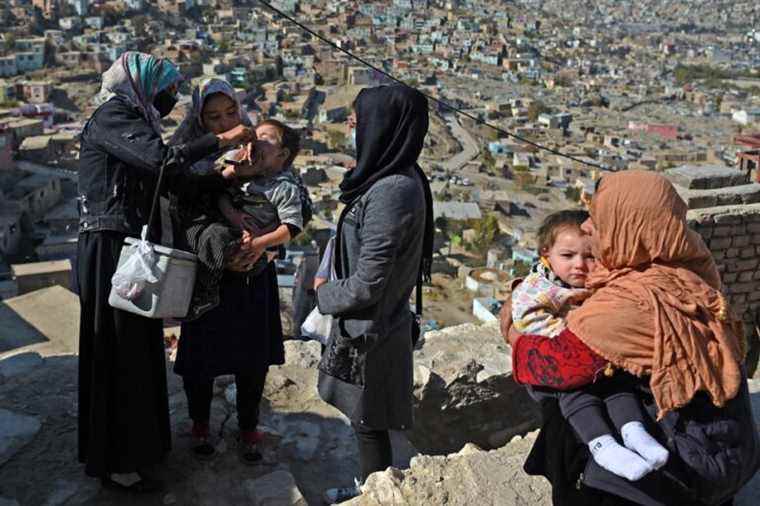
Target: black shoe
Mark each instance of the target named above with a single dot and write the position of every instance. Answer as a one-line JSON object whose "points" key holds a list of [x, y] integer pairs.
{"points": [[202, 449], [201, 445], [249, 453]]}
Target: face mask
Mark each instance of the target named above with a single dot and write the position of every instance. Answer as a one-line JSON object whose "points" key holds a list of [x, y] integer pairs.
{"points": [[164, 103]]}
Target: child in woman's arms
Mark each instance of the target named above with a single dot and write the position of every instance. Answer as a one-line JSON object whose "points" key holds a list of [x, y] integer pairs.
{"points": [[266, 165], [540, 305]]}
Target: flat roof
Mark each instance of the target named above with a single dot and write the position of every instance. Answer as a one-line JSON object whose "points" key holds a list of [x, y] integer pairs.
{"points": [[35, 268]]}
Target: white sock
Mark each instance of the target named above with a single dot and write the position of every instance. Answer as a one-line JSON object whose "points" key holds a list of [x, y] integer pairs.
{"points": [[636, 437], [618, 459]]}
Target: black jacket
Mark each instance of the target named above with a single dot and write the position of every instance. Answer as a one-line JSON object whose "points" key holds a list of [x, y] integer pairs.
{"points": [[119, 161], [713, 453]]}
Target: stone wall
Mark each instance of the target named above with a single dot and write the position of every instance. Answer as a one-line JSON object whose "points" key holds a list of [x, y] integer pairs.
{"points": [[724, 207], [733, 235]]}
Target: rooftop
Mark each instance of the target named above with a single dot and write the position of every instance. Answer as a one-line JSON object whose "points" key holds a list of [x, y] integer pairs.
{"points": [[36, 268]]}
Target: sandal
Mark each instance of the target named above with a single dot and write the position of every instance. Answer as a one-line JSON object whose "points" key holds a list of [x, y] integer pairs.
{"points": [[249, 446], [201, 445]]}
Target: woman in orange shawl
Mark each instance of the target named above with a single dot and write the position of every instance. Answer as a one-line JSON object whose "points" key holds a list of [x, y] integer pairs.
{"points": [[656, 318]]}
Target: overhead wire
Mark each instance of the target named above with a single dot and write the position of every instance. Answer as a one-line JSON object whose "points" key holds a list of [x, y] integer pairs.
{"points": [[428, 96]]}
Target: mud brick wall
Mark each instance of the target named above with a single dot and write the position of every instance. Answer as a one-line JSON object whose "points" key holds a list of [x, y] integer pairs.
{"points": [[733, 235]]}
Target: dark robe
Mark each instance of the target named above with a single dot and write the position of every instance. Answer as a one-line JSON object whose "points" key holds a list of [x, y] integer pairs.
{"points": [[242, 334], [123, 401]]}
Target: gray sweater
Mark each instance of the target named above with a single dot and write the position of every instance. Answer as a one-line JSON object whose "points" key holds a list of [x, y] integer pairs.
{"points": [[366, 370]]}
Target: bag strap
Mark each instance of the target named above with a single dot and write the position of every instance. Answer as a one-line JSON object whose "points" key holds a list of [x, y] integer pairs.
{"points": [[156, 197]]}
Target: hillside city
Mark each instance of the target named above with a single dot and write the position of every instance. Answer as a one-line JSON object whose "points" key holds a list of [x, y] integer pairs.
{"points": [[531, 103], [626, 85]]}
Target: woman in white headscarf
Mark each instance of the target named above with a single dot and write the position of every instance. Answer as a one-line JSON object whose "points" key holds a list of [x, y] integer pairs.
{"points": [[123, 402]]}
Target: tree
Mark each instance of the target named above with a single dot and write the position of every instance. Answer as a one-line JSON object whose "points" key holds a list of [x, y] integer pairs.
{"points": [[9, 44], [336, 139], [536, 108], [442, 223], [573, 193], [520, 269], [488, 161], [486, 230], [224, 46]]}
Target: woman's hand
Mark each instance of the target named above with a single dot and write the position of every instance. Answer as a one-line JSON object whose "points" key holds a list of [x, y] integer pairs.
{"points": [[508, 332], [241, 134]]}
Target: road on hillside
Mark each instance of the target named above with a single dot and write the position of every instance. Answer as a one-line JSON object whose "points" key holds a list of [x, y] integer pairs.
{"points": [[470, 147]]}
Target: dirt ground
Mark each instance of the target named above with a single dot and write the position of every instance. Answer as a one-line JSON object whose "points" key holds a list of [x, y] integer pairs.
{"points": [[304, 436]]}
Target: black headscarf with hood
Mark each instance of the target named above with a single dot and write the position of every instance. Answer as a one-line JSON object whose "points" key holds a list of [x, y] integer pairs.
{"points": [[391, 124]]}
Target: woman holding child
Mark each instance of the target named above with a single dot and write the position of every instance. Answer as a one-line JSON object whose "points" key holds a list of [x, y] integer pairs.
{"points": [[235, 325], [656, 325]]}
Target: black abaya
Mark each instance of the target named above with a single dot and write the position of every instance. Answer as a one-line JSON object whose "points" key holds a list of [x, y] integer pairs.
{"points": [[123, 400], [241, 335]]}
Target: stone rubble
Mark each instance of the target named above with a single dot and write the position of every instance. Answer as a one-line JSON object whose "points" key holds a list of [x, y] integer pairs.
{"points": [[464, 391]]}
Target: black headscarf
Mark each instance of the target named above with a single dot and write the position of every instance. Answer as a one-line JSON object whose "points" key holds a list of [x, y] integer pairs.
{"points": [[391, 124]]}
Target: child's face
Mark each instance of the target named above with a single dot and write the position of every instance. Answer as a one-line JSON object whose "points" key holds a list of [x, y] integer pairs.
{"points": [[570, 257], [270, 154]]}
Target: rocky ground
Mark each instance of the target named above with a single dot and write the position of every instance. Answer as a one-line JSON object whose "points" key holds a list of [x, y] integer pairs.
{"points": [[461, 374]]}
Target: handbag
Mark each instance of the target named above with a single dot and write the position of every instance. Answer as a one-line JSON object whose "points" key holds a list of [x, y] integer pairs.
{"points": [[152, 280]]}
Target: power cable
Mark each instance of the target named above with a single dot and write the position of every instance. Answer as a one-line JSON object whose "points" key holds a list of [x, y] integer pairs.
{"points": [[429, 97]]}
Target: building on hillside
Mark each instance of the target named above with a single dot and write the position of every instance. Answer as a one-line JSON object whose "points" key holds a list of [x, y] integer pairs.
{"points": [[36, 92], [10, 231], [8, 67], [30, 54], [456, 211], [37, 194], [34, 276], [749, 159]]}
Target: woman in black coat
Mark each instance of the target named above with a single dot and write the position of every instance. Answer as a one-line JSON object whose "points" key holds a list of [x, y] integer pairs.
{"points": [[123, 402]]}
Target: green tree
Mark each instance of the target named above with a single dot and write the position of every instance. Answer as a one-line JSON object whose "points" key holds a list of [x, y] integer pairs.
{"points": [[489, 161], [9, 43], [520, 269], [336, 139], [573, 193], [486, 230], [536, 108], [442, 223]]}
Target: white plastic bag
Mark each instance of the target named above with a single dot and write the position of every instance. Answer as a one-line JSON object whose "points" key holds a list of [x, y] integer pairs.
{"points": [[317, 326], [138, 270]]}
